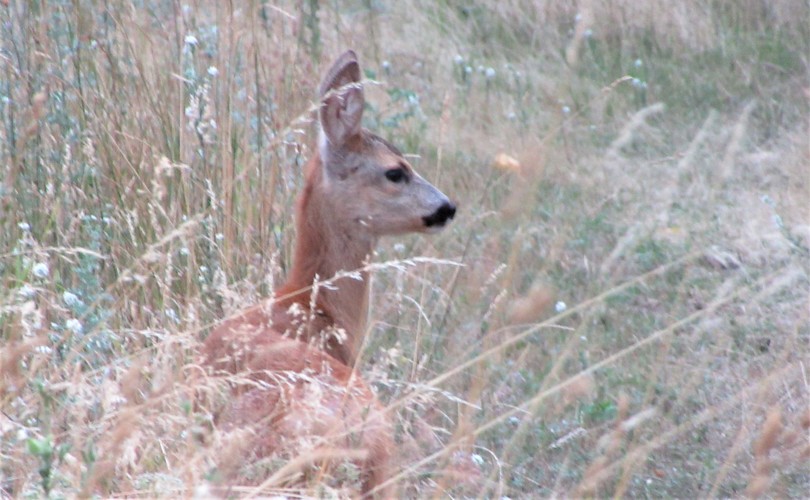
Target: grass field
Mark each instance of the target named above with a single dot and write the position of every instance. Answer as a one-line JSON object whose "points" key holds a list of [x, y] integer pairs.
{"points": [[620, 308]]}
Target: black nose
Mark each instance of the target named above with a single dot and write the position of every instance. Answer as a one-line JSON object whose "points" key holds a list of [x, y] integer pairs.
{"points": [[438, 218]]}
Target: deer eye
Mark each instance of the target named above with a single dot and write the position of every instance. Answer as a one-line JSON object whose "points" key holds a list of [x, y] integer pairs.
{"points": [[397, 175]]}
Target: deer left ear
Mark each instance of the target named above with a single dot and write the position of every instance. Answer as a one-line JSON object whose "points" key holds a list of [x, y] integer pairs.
{"points": [[342, 100]]}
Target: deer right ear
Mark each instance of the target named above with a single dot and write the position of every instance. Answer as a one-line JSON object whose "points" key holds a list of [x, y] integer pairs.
{"points": [[342, 101]]}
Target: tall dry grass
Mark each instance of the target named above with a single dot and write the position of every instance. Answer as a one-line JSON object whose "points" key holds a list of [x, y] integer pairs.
{"points": [[631, 314]]}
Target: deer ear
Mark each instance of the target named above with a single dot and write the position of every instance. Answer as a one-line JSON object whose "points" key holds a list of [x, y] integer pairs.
{"points": [[342, 100]]}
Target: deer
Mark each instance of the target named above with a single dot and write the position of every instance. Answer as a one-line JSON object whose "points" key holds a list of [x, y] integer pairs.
{"points": [[299, 347]]}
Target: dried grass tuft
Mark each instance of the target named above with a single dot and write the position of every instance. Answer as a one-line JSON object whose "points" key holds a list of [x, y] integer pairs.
{"points": [[532, 306]]}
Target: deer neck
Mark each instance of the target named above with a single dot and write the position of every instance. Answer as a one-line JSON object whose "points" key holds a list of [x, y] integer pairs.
{"points": [[327, 245]]}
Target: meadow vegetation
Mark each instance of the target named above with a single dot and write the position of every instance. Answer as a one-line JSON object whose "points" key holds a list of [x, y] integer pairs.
{"points": [[620, 307]]}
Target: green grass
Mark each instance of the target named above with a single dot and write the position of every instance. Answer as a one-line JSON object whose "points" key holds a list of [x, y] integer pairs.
{"points": [[145, 195]]}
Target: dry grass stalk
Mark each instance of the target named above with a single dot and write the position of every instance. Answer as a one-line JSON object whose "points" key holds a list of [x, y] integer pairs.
{"points": [[771, 429]]}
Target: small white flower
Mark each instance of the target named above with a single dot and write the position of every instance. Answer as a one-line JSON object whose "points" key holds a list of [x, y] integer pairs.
{"points": [[213, 71], [27, 291], [458, 59], [386, 65], [74, 325], [477, 459], [24, 226], [41, 270], [191, 40], [184, 251], [22, 434], [399, 247], [566, 110], [637, 63], [578, 17], [490, 73], [468, 69], [560, 306], [511, 116], [43, 349], [588, 33], [172, 314], [70, 299], [219, 237]]}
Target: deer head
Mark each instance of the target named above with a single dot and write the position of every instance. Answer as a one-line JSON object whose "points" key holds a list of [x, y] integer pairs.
{"points": [[365, 180]]}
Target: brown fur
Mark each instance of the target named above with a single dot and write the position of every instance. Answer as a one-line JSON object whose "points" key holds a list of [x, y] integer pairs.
{"points": [[297, 349], [268, 341]]}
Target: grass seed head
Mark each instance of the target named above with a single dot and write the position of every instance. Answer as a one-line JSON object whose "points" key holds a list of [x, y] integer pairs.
{"points": [[507, 163], [758, 486], [770, 432], [580, 388], [531, 307]]}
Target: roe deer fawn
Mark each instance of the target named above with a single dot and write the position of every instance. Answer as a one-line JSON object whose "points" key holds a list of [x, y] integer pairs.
{"points": [[299, 347]]}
